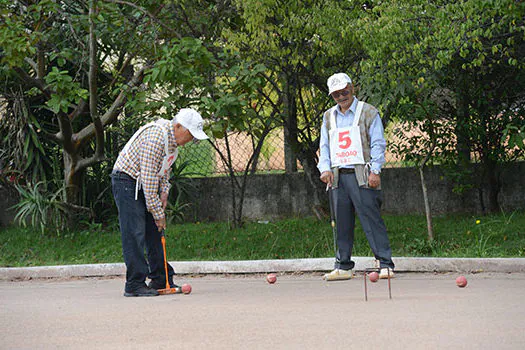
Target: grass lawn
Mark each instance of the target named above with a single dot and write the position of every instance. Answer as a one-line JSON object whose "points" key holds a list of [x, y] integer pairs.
{"points": [[501, 235]]}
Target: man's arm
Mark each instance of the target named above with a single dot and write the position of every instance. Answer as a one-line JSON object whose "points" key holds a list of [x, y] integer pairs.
{"points": [[377, 144], [324, 164], [150, 157], [324, 148], [377, 151], [164, 191]]}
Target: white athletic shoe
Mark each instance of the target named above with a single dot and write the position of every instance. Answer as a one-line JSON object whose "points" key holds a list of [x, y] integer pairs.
{"points": [[339, 275], [383, 274], [376, 264]]}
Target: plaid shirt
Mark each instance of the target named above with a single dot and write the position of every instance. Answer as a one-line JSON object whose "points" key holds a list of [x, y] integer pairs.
{"points": [[144, 158]]}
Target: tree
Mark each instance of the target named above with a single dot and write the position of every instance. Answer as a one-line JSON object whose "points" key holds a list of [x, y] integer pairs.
{"points": [[233, 110], [77, 65], [461, 58], [226, 95], [301, 43]]}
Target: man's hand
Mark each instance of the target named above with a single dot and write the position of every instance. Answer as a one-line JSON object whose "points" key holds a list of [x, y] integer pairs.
{"points": [[327, 177], [164, 200], [374, 180], [161, 224]]}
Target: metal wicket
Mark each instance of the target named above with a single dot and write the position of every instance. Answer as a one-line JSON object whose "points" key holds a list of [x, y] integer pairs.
{"points": [[365, 275]]}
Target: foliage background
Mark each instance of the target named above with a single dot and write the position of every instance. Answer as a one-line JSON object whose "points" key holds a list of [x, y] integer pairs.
{"points": [[79, 77]]}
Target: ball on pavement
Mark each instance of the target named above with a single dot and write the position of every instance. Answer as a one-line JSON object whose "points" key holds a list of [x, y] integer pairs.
{"points": [[373, 276], [271, 278], [186, 288], [461, 281]]}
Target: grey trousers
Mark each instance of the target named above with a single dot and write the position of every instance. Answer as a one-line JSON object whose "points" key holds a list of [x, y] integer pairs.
{"points": [[349, 199]]}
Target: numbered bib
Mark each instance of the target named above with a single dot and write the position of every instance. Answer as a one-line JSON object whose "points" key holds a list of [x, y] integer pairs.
{"points": [[345, 143], [167, 162]]}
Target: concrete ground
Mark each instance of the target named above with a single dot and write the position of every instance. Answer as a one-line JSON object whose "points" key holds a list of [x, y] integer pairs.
{"points": [[300, 311]]}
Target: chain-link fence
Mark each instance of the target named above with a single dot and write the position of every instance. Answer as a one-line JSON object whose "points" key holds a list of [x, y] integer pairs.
{"points": [[204, 160]]}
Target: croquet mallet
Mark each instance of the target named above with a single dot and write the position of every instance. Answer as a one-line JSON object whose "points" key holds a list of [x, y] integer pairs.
{"points": [[168, 289], [332, 215]]}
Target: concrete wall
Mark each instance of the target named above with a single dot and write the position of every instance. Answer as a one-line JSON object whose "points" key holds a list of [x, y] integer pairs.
{"points": [[270, 197], [274, 196], [8, 198], [267, 197]]}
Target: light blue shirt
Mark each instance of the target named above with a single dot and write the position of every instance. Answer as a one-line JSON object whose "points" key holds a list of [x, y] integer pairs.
{"points": [[376, 134]]}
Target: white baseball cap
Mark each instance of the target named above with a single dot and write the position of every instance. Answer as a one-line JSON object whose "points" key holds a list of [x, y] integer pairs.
{"points": [[191, 120], [338, 81]]}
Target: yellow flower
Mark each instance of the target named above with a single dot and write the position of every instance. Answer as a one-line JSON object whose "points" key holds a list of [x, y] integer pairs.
{"points": [[478, 222]]}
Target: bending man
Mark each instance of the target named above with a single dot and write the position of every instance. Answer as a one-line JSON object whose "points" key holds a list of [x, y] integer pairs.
{"points": [[140, 182]]}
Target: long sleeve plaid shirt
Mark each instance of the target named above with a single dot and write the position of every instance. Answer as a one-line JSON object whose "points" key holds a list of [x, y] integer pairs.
{"points": [[144, 157]]}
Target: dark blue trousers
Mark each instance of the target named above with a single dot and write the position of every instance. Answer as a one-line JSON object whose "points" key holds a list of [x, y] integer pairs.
{"points": [[350, 199], [139, 234]]}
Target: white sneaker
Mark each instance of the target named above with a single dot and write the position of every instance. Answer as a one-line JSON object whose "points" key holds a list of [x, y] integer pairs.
{"points": [[383, 274], [339, 275], [377, 264]]}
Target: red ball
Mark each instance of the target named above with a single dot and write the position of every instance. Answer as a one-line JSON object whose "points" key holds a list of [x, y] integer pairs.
{"points": [[271, 278], [186, 288], [373, 276], [461, 281]]}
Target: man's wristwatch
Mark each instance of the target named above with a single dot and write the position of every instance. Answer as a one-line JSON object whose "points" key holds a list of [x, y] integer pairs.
{"points": [[377, 172]]}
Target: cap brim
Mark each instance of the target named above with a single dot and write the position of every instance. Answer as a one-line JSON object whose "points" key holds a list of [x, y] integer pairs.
{"points": [[337, 87], [199, 134]]}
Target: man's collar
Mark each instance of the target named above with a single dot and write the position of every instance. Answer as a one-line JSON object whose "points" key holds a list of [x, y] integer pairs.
{"points": [[352, 108]]}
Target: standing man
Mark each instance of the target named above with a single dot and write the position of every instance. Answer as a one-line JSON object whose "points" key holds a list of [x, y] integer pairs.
{"points": [[140, 182], [352, 151]]}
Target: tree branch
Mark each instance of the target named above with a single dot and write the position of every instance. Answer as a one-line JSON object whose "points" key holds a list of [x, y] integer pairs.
{"points": [[87, 133], [66, 135], [41, 66], [79, 110], [98, 128], [111, 115], [149, 14], [31, 63], [38, 83], [92, 81], [53, 137], [274, 84]]}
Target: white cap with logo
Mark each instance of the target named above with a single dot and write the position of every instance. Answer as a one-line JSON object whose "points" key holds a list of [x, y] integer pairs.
{"points": [[191, 120], [338, 81]]}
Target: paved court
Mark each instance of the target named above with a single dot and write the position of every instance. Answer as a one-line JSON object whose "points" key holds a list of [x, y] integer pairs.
{"points": [[300, 311]]}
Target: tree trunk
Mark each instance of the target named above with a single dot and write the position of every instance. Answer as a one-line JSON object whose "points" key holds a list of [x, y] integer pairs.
{"points": [[71, 179], [73, 184], [244, 179], [290, 125], [463, 144], [491, 186], [308, 161], [430, 227]]}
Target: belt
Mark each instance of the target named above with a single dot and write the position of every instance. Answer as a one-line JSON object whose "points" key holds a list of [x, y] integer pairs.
{"points": [[346, 170], [121, 175]]}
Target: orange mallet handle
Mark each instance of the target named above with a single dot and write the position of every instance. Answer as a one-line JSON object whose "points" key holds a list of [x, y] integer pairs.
{"points": [[163, 240]]}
